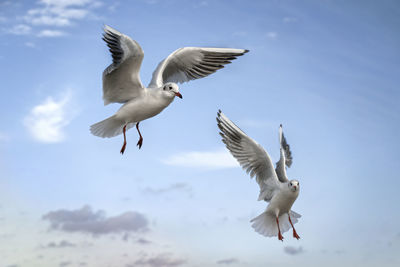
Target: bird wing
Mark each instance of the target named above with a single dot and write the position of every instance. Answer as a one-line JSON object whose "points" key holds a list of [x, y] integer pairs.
{"points": [[190, 63], [286, 158], [250, 155], [121, 80]]}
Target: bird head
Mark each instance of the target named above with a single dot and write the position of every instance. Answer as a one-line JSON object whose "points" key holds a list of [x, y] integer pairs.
{"points": [[294, 185], [172, 88]]}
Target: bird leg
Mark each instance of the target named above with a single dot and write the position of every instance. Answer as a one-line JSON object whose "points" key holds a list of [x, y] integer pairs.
{"points": [[140, 142], [124, 145], [280, 237], [295, 235]]}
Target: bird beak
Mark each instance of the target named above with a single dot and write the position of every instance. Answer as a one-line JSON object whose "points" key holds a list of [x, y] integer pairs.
{"points": [[178, 95]]}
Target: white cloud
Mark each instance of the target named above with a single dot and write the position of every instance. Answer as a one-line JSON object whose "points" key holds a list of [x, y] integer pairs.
{"points": [[50, 33], [289, 19], [46, 121], [20, 29], [60, 13], [30, 44], [203, 159], [272, 35]]}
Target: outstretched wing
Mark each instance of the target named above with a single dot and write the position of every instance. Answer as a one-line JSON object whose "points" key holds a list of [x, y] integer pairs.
{"points": [[286, 158], [190, 63], [121, 81], [251, 156]]}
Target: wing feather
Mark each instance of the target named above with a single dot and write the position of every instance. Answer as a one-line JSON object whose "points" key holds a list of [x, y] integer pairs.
{"points": [[190, 63], [285, 159], [250, 155], [121, 80]]}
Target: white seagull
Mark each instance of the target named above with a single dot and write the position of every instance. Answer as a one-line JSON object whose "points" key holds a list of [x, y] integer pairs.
{"points": [[121, 81], [275, 187]]}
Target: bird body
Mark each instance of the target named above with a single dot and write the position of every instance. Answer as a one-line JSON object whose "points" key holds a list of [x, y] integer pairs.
{"points": [[122, 84], [275, 187]]}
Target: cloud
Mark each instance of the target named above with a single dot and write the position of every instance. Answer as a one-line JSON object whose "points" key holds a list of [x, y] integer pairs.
{"points": [[46, 121], [50, 33], [183, 187], [162, 260], [228, 261], [64, 263], [202, 159], [85, 220], [61, 244], [59, 13], [289, 19], [272, 35], [292, 250], [20, 29], [143, 241]]}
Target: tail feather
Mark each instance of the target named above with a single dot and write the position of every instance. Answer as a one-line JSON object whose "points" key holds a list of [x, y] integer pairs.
{"points": [[109, 127], [265, 223]]}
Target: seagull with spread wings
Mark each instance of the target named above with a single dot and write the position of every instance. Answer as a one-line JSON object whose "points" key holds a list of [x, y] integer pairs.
{"points": [[275, 187], [121, 81]]}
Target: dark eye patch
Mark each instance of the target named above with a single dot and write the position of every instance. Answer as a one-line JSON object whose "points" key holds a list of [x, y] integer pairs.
{"points": [[170, 88]]}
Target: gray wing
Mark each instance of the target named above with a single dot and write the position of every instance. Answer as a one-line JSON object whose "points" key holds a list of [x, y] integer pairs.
{"points": [[250, 155], [121, 80], [286, 158], [190, 63]]}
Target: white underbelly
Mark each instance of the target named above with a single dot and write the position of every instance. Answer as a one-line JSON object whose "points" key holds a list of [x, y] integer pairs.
{"points": [[141, 109], [281, 202]]}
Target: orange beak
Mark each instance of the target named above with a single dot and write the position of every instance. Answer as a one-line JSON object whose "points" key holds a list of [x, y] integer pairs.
{"points": [[178, 95]]}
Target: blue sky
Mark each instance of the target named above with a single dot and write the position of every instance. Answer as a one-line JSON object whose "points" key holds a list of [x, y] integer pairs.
{"points": [[327, 70]]}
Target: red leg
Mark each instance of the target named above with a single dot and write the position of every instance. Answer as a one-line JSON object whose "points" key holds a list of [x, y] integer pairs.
{"points": [[124, 145], [280, 237], [295, 235], [140, 142]]}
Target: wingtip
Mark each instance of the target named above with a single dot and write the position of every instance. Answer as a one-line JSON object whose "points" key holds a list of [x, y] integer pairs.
{"points": [[246, 51]]}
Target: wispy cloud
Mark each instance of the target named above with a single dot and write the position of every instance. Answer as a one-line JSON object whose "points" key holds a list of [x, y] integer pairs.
{"points": [[293, 250], [289, 19], [50, 33], [202, 159], [20, 29], [58, 13], [61, 244], [47, 120], [183, 187], [228, 261], [85, 220], [52, 13], [162, 260], [272, 35]]}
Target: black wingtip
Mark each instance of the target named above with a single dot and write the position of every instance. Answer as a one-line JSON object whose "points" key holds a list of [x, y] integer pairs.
{"points": [[280, 125], [246, 51]]}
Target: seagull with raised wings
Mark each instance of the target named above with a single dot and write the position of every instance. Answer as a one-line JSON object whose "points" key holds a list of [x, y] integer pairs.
{"points": [[275, 187], [121, 81]]}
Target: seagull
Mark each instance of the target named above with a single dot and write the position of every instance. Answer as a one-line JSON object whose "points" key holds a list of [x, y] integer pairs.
{"points": [[121, 81], [275, 187]]}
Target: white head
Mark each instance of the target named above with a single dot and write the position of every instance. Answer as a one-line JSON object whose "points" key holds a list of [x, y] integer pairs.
{"points": [[294, 185], [172, 89]]}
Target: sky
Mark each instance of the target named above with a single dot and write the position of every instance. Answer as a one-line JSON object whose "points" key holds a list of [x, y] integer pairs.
{"points": [[328, 70]]}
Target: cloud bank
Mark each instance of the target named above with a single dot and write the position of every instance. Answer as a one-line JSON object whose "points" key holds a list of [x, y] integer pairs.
{"points": [[85, 220]]}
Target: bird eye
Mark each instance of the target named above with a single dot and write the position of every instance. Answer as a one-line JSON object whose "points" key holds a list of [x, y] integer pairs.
{"points": [[170, 88]]}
